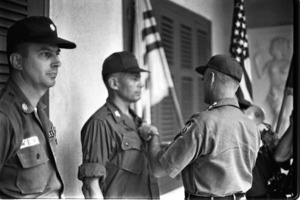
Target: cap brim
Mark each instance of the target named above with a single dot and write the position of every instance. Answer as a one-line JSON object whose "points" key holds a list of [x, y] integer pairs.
{"points": [[62, 43], [201, 69]]}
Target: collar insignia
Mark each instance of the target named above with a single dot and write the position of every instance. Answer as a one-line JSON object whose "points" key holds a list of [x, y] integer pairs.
{"points": [[117, 113], [24, 107], [211, 106]]}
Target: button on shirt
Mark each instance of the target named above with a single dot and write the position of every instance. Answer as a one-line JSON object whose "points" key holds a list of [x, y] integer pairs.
{"points": [[216, 151], [27, 148], [114, 152]]}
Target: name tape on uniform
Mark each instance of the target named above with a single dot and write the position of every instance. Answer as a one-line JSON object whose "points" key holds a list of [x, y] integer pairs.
{"points": [[29, 142]]}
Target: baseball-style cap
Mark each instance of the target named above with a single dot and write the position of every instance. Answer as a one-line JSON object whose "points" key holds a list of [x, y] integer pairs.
{"points": [[38, 29], [123, 61], [224, 64]]}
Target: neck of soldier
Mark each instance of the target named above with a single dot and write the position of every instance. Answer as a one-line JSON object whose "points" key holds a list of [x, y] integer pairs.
{"points": [[33, 94], [222, 93], [121, 104]]}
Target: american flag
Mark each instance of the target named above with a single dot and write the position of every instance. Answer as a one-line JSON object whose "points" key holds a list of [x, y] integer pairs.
{"points": [[239, 49], [151, 56]]}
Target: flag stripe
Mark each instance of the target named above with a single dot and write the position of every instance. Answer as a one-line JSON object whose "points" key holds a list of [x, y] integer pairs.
{"points": [[247, 80], [147, 14], [148, 31], [239, 49], [153, 46]]}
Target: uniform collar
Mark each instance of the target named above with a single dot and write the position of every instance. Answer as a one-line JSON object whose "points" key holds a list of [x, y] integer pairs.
{"points": [[119, 116], [21, 100], [116, 112], [224, 102]]}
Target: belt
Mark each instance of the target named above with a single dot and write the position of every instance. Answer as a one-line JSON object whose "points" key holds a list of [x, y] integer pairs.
{"points": [[237, 196]]}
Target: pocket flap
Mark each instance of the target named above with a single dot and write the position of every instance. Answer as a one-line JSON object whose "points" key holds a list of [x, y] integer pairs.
{"points": [[131, 143], [32, 156], [132, 158]]}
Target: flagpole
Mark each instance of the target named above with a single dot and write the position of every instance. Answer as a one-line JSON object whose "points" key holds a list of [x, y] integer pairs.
{"points": [[177, 107], [288, 91], [172, 88]]}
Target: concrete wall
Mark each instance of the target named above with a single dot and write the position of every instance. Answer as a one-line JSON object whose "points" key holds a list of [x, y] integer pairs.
{"points": [[96, 27]]}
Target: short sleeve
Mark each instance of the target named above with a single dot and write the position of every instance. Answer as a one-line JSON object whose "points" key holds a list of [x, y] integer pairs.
{"points": [[6, 139], [97, 147], [184, 149]]}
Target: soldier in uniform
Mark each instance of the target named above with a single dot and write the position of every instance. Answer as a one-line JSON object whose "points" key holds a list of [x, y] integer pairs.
{"points": [[115, 163], [27, 137], [216, 150]]}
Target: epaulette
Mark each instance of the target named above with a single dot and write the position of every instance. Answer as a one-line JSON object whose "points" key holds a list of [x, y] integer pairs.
{"points": [[212, 106]]}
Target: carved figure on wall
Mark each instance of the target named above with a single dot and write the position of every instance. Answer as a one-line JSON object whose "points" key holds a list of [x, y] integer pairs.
{"points": [[277, 68]]}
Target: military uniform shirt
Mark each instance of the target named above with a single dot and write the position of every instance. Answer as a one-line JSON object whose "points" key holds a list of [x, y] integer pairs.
{"points": [[216, 151], [114, 152], [27, 148]]}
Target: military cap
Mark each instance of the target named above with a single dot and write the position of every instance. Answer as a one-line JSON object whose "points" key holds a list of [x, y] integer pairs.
{"points": [[37, 29], [224, 64], [123, 61]]}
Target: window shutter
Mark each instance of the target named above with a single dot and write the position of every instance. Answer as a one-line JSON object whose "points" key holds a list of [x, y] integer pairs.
{"points": [[203, 49], [186, 53], [202, 45], [186, 41], [200, 101], [168, 119], [187, 97], [10, 12], [167, 35]]}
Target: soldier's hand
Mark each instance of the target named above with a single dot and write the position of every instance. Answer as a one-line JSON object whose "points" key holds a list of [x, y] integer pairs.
{"points": [[146, 131]]}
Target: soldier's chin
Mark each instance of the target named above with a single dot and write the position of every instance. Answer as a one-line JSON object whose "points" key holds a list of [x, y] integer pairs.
{"points": [[136, 99]]}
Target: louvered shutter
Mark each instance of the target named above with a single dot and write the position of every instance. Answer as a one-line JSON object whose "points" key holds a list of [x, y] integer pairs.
{"points": [[187, 97], [203, 54], [167, 35], [186, 53], [186, 41], [10, 12], [167, 112]]}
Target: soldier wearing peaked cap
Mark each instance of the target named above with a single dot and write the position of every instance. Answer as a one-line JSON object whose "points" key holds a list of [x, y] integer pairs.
{"points": [[115, 164], [216, 150], [28, 166]]}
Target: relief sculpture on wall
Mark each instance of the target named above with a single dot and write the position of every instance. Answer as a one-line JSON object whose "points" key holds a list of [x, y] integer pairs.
{"points": [[271, 50]]}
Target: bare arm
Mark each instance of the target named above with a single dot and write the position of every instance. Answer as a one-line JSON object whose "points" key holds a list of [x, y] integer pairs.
{"points": [[91, 188]]}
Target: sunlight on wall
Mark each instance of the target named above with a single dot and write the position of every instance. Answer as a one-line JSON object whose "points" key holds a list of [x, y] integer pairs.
{"points": [[96, 29]]}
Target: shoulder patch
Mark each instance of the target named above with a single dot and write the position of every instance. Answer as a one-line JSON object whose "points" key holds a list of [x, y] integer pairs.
{"points": [[186, 127]]}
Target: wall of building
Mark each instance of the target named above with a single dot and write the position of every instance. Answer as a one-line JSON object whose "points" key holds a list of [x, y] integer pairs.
{"points": [[96, 27]]}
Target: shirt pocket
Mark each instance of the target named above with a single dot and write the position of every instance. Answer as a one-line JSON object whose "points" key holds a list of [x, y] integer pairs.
{"points": [[132, 157], [33, 175]]}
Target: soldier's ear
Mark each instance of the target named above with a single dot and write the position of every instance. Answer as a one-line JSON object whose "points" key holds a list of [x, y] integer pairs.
{"points": [[16, 61], [212, 78], [113, 82]]}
